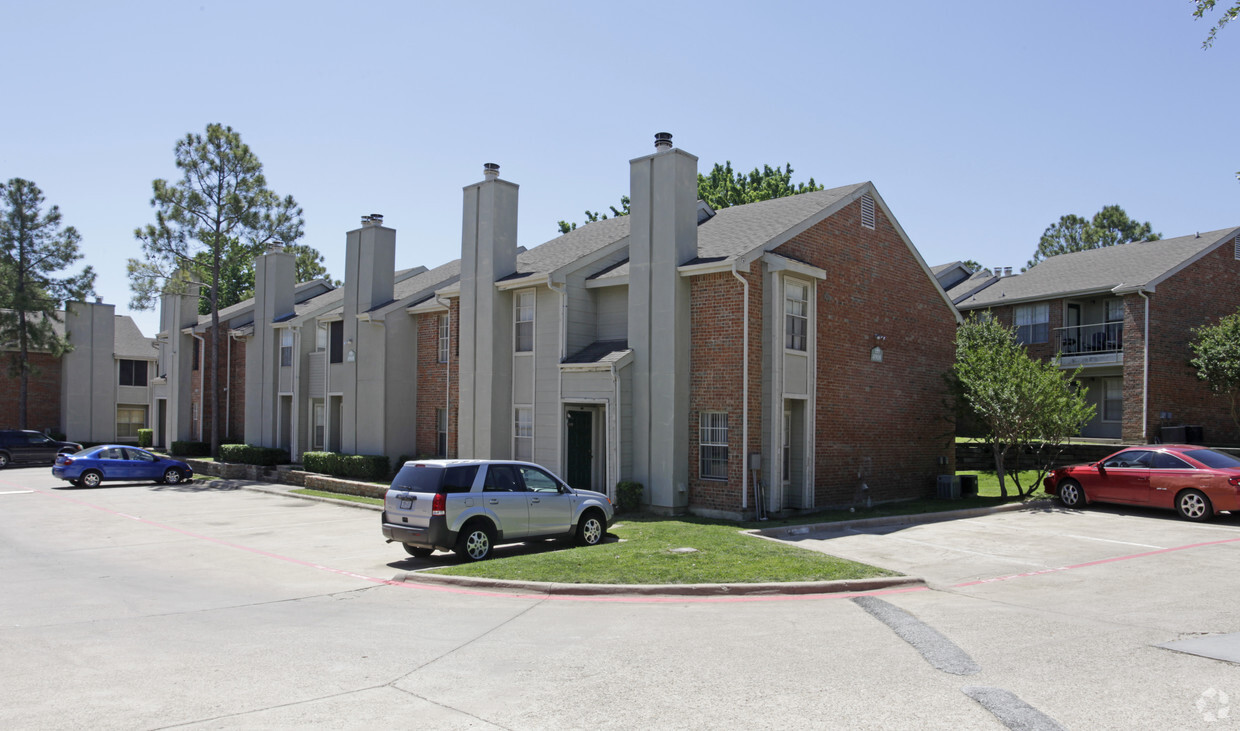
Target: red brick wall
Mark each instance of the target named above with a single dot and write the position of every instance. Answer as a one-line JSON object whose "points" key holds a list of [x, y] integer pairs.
{"points": [[42, 394], [1199, 295], [433, 378], [234, 430], [886, 420]]}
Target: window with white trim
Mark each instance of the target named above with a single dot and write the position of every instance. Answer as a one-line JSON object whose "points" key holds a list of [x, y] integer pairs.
{"points": [[867, 211], [523, 315], [320, 337], [286, 347], [1032, 323], [1112, 399], [796, 315], [133, 372], [129, 419], [523, 434], [713, 445], [445, 338]]}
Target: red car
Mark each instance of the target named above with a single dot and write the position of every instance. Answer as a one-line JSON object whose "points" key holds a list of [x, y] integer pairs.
{"points": [[1194, 481]]}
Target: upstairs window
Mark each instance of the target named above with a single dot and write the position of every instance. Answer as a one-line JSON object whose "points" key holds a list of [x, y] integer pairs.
{"points": [[523, 314], [286, 347], [1032, 323], [196, 357], [867, 211], [320, 338], [796, 315], [445, 338], [133, 372], [336, 341]]}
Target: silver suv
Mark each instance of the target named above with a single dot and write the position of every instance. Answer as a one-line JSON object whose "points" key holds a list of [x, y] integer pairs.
{"points": [[469, 506]]}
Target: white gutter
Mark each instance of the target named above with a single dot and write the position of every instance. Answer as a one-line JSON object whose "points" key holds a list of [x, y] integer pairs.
{"points": [[1145, 370], [447, 378], [744, 390], [202, 374], [562, 290]]}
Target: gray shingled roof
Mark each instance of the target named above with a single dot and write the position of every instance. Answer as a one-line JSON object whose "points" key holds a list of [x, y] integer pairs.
{"points": [[739, 230], [976, 281], [583, 241], [128, 341], [240, 308], [1142, 263], [600, 351]]}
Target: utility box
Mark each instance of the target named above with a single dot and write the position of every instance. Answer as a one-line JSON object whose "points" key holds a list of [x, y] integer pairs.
{"points": [[949, 487], [968, 485]]}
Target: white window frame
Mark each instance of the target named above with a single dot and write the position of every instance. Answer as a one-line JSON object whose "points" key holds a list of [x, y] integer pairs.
{"points": [[713, 445], [286, 347], [791, 316], [319, 435], [523, 305], [129, 423], [1032, 322], [523, 434], [320, 337], [445, 338]]}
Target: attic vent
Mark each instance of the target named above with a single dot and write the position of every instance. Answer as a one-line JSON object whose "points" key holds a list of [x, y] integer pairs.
{"points": [[1237, 247], [867, 211]]}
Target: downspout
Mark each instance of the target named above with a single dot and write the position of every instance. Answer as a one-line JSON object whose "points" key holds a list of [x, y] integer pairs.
{"points": [[562, 290], [202, 374], [1145, 370], [744, 390], [294, 430], [228, 384], [447, 378]]}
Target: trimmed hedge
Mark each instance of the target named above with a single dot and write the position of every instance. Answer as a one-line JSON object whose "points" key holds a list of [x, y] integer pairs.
{"points": [[247, 454], [190, 449], [146, 437], [372, 467], [630, 495]]}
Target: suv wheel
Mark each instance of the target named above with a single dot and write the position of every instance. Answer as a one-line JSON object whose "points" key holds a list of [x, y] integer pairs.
{"points": [[474, 543], [590, 529]]}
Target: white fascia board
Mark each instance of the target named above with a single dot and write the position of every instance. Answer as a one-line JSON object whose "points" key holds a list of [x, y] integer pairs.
{"points": [[452, 290], [607, 282], [777, 263], [710, 267], [561, 274], [534, 280], [1123, 289], [430, 305]]}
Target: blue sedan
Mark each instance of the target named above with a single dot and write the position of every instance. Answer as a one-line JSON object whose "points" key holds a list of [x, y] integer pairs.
{"points": [[93, 465]]}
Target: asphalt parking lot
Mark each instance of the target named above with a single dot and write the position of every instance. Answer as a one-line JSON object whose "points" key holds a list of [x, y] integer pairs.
{"points": [[144, 606]]}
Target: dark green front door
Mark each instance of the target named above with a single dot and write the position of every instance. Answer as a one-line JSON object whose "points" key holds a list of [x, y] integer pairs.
{"points": [[580, 442]]}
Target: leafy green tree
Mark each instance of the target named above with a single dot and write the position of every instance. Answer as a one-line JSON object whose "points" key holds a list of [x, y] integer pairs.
{"points": [[724, 187], [237, 271], [1205, 6], [34, 247], [221, 197], [1020, 403], [1108, 227], [1216, 356], [972, 265]]}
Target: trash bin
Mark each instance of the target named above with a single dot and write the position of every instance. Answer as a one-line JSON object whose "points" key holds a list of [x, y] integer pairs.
{"points": [[968, 485], [1173, 435], [1194, 435], [949, 487]]}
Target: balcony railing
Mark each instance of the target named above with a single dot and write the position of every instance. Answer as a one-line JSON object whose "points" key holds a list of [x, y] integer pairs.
{"points": [[1106, 337]]}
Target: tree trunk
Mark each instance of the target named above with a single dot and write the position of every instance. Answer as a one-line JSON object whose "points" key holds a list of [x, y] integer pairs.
{"points": [[215, 351], [999, 455], [23, 362]]}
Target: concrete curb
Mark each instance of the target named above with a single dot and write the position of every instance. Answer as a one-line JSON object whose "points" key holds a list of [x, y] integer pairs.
{"points": [[287, 491], [791, 532], [539, 587]]}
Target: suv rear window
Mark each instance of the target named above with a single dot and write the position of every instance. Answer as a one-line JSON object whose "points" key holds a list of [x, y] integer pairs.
{"points": [[435, 478]]}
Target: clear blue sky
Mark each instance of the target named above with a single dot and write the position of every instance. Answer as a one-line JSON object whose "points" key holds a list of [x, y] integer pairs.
{"points": [[980, 123]]}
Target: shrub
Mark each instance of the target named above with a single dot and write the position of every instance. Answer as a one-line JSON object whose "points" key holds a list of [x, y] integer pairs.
{"points": [[190, 449], [247, 454], [630, 495], [146, 437], [374, 467]]}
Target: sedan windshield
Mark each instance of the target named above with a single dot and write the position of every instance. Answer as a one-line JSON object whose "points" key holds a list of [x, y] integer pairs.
{"points": [[1211, 458]]}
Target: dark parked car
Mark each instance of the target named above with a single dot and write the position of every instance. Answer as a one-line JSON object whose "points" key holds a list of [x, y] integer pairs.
{"points": [[1194, 481], [90, 467], [20, 446]]}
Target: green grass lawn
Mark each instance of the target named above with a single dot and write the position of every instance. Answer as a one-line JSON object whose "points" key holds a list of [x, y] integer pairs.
{"points": [[639, 547], [643, 555], [339, 496]]}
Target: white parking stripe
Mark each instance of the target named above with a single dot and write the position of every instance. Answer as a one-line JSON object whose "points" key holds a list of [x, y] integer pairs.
{"points": [[1109, 540], [16, 492]]}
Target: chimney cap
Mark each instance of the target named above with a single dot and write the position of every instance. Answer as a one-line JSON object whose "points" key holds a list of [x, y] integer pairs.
{"points": [[275, 246], [663, 141], [490, 170], [99, 299]]}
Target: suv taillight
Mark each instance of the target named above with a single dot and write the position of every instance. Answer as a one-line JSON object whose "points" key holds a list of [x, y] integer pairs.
{"points": [[439, 506]]}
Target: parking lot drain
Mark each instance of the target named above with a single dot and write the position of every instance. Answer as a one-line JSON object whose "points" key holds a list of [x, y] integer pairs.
{"points": [[1011, 710], [939, 651]]}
